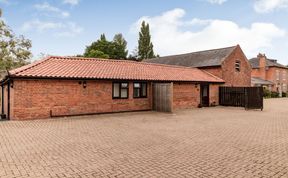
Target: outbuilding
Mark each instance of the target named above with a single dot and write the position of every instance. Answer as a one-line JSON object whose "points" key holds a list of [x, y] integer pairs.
{"points": [[66, 86], [229, 64]]}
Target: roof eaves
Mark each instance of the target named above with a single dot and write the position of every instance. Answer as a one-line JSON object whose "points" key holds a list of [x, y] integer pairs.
{"points": [[29, 66]]}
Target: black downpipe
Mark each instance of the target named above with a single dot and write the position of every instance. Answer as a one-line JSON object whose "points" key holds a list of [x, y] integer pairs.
{"points": [[2, 99], [8, 96]]}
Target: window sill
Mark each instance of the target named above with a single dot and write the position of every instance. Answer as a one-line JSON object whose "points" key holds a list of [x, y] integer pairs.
{"points": [[140, 97]]}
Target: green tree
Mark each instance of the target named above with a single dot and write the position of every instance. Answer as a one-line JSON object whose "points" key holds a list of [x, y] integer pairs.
{"points": [[14, 50], [145, 46], [99, 49], [103, 48], [119, 47]]}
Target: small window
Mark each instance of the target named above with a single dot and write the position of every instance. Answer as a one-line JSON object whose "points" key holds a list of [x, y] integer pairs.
{"points": [[120, 90], [283, 75], [140, 90], [277, 75], [237, 66]]}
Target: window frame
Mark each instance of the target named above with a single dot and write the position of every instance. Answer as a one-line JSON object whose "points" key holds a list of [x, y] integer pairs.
{"points": [[284, 75], [140, 90], [120, 88], [278, 75], [237, 66]]}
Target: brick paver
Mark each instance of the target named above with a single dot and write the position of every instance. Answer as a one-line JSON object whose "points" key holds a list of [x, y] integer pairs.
{"points": [[208, 142]]}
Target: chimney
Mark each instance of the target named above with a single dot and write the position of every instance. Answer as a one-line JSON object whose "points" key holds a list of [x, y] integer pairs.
{"points": [[262, 65]]}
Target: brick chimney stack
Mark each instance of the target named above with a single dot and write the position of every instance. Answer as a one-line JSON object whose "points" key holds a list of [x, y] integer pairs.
{"points": [[262, 65]]}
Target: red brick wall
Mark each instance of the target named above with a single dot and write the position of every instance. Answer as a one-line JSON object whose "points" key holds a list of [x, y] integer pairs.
{"points": [[227, 70], [272, 76], [230, 75], [257, 73], [185, 95], [35, 98], [217, 71]]}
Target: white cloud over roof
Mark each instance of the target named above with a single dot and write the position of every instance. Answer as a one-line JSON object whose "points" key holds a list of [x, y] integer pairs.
{"points": [[173, 35]]}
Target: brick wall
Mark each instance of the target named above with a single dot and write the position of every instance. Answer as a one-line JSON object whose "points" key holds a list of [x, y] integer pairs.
{"points": [[227, 70], [185, 95], [271, 75], [35, 99], [230, 75], [217, 71]]}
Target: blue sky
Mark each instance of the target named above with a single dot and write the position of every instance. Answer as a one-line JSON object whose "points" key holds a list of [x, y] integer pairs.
{"points": [[65, 27]]}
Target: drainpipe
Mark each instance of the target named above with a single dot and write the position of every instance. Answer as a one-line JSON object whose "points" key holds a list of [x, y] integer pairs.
{"points": [[8, 103], [2, 98]]}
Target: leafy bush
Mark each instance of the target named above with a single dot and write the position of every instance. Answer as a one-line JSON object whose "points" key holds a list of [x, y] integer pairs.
{"points": [[274, 94], [284, 94], [266, 93]]}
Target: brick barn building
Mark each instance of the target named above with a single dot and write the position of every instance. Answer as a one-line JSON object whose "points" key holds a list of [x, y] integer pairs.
{"points": [[229, 64], [66, 86]]}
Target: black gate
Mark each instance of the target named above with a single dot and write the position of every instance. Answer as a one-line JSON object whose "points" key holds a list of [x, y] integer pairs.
{"points": [[248, 97]]}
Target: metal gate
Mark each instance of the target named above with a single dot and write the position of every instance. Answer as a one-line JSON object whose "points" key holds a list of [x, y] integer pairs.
{"points": [[248, 97], [162, 97]]}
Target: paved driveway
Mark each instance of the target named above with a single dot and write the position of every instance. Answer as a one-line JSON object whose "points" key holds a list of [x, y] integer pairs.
{"points": [[209, 142]]}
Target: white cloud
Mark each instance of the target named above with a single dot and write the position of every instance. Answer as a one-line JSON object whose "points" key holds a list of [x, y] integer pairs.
{"points": [[58, 29], [40, 26], [172, 35], [71, 2], [4, 1], [73, 30], [46, 7], [216, 1], [264, 6]]}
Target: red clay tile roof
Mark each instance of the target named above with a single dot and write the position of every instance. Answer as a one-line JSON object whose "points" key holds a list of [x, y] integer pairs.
{"points": [[89, 68]]}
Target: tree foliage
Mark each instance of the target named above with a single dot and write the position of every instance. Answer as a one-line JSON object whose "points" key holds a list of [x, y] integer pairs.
{"points": [[14, 50], [102, 48], [145, 46]]}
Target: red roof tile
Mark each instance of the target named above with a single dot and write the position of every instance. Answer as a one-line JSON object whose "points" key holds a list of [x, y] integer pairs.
{"points": [[89, 68]]}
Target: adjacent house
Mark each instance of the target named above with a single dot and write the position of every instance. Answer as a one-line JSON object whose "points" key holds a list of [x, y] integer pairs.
{"points": [[269, 74], [65, 86], [229, 64]]}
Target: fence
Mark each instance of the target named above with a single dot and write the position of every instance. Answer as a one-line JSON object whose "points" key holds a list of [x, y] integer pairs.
{"points": [[248, 97]]}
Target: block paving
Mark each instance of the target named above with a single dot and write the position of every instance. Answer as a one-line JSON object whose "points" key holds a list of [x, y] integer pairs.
{"points": [[207, 142]]}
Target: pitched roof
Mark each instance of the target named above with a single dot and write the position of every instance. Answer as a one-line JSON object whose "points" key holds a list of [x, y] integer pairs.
{"points": [[90, 68], [206, 58], [259, 81], [269, 63]]}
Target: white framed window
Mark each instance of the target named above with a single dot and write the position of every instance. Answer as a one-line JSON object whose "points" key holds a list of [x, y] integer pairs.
{"points": [[120, 90], [277, 75], [283, 75], [140, 90]]}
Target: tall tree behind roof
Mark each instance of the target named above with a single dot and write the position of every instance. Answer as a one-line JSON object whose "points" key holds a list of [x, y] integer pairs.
{"points": [[145, 46]]}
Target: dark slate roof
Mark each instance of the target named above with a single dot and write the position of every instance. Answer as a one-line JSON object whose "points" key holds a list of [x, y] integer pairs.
{"points": [[269, 63], [206, 58], [256, 80]]}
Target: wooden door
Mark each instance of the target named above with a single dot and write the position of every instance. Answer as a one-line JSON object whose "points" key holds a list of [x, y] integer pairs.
{"points": [[204, 95]]}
